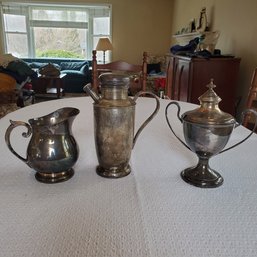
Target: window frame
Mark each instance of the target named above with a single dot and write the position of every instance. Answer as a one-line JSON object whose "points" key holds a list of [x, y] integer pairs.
{"points": [[95, 10]]}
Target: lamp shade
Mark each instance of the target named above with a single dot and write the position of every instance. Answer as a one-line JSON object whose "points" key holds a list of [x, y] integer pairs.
{"points": [[104, 44]]}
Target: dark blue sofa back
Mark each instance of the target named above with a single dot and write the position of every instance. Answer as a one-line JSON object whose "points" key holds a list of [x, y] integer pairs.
{"points": [[54, 60], [78, 72]]}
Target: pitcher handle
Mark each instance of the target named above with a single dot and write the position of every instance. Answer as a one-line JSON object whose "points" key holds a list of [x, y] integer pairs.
{"points": [[167, 119], [157, 107], [13, 125], [243, 114]]}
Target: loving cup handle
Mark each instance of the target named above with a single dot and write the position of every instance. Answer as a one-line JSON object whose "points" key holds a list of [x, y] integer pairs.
{"points": [[178, 115], [238, 124], [243, 115], [13, 125], [157, 107]]}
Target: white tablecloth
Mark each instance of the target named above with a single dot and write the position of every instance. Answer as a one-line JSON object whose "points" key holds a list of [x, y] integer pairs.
{"points": [[150, 213]]}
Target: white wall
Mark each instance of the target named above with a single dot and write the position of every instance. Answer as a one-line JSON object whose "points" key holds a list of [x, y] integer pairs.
{"points": [[138, 26], [237, 22]]}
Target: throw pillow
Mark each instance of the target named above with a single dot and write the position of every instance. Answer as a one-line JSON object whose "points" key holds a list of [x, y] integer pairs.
{"points": [[21, 67]]}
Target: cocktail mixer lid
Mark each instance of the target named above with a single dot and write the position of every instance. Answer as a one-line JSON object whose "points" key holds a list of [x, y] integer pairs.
{"points": [[209, 113], [110, 79]]}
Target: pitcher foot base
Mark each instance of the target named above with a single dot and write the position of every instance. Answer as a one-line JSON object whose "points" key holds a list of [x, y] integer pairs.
{"points": [[51, 178], [114, 172], [205, 178]]}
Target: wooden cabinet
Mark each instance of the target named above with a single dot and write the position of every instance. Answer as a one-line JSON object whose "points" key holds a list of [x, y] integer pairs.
{"points": [[251, 103], [187, 79]]}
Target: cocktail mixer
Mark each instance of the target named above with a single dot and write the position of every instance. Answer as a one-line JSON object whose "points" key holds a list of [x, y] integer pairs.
{"points": [[114, 118]]}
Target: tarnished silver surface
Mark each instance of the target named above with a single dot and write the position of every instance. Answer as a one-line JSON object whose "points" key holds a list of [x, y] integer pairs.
{"points": [[52, 150], [114, 117], [206, 130]]}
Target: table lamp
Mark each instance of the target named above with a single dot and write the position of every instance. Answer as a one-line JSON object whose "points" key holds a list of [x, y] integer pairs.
{"points": [[104, 44]]}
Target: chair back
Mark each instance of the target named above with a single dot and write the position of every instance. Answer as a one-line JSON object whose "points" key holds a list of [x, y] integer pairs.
{"points": [[8, 94], [138, 72], [7, 83], [252, 98]]}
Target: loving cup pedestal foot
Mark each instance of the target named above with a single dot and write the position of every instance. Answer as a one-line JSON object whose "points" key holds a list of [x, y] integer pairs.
{"points": [[205, 178]]}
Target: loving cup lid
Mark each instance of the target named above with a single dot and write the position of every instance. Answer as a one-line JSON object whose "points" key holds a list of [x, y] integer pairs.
{"points": [[209, 113]]}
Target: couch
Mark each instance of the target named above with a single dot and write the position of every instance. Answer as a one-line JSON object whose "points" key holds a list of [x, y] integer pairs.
{"points": [[78, 71]]}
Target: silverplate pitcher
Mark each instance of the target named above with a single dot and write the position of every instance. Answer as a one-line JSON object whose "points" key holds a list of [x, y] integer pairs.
{"points": [[52, 150], [114, 117], [206, 130]]}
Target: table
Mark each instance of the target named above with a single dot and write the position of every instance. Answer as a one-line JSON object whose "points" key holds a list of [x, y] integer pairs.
{"points": [[49, 85], [150, 213]]}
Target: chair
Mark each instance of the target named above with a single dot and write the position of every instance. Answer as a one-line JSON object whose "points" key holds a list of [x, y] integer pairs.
{"points": [[26, 95], [251, 100], [11, 97], [138, 72], [8, 94]]}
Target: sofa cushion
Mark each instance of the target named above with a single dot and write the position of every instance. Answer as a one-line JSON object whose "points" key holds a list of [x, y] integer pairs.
{"points": [[37, 65], [72, 65], [73, 73], [85, 69]]}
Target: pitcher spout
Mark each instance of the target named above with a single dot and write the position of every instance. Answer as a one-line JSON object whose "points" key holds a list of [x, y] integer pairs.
{"points": [[87, 88], [56, 117]]}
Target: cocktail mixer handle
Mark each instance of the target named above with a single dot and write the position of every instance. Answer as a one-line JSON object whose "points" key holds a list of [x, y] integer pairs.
{"points": [[243, 114], [157, 107], [13, 125], [178, 115]]}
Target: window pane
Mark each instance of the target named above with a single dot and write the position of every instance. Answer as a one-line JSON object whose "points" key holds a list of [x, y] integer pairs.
{"points": [[59, 15], [55, 27], [101, 26], [60, 42], [17, 44], [14, 23]]}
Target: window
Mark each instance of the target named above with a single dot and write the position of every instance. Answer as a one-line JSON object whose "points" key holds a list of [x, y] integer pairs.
{"points": [[53, 30], [101, 28], [16, 34]]}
